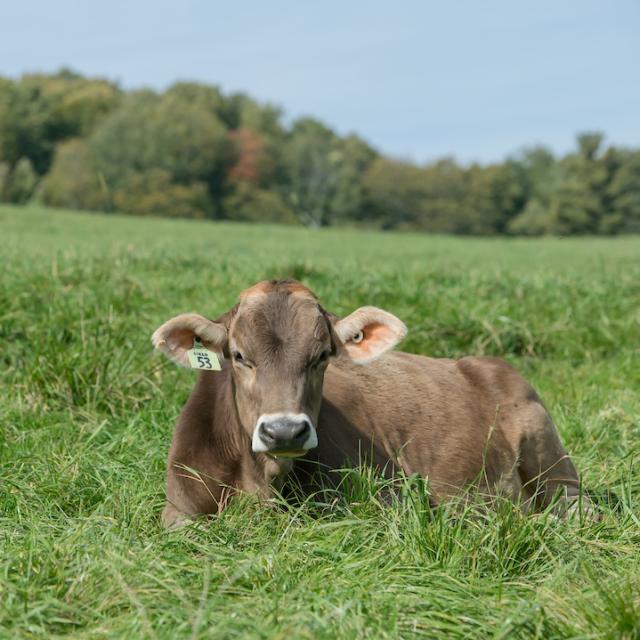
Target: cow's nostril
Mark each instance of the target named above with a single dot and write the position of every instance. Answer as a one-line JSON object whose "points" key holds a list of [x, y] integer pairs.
{"points": [[303, 430], [268, 431]]}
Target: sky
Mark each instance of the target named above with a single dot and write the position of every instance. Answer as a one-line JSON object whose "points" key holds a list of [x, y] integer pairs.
{"points": [[419, 80]]}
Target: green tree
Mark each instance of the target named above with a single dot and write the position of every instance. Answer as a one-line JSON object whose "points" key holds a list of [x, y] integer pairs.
{"points": [[395, 193], [5, 173], [194, 151], [39, 111], [323, 173], [312, 164], [538, 173], [155, 193], [622, 197], [349, 201], [22, 182], [442, 204], [577, 205], [184, 139], [249, 203], [74, 180], [493, 197]]}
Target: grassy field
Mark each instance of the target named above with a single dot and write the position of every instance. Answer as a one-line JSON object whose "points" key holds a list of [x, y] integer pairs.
{"points": [[87, 411]]}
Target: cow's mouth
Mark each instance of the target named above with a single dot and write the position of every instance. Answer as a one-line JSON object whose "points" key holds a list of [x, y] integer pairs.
{"points": [[288, 454]]}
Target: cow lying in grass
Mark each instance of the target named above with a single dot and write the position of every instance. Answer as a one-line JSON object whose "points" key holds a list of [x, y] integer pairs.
{"points": [[298, 381]]}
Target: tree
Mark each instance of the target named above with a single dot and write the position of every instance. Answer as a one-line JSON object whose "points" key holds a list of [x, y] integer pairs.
{"points": [[323, 173], [74, 180], [22, 181], [183, 139], [249, 156], [538, 173], [577, 204], [349, 201], [154, 193], [5, 173], [312, 164], [38, 111], [623, 193], [493, 197], [442, 207], [249, 203], [395, 193], [195, 151]]}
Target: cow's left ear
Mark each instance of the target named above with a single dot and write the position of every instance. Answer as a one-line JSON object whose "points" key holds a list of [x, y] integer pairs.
{"points": [[369, 332], [175, 337]]}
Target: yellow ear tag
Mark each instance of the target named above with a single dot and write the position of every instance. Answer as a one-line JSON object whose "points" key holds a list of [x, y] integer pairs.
{"points": [[201, 358]]}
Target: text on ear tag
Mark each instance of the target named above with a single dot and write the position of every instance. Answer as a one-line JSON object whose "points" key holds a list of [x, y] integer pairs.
{"points": [[201, 358]]}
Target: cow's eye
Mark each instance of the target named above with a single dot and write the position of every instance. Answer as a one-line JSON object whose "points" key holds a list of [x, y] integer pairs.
{"points": [[239, 358]]}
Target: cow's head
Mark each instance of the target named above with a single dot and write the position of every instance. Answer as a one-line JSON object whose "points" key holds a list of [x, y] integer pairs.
{"points": [[279, 341]]}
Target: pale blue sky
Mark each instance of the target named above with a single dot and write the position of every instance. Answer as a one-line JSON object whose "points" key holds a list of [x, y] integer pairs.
{"points": [[420, 80]]}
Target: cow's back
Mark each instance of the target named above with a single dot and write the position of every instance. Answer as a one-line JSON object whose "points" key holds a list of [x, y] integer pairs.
{"points": [[454, 421]]}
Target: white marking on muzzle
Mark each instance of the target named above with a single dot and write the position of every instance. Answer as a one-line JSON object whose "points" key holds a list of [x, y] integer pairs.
{"points": [[258, 446]]}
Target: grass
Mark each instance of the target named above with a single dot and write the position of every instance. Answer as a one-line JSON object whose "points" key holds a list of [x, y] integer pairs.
{"points": [[87, 410]]}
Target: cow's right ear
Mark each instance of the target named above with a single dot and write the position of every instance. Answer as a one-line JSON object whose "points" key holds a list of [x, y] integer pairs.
{"points": [[175, 337]]}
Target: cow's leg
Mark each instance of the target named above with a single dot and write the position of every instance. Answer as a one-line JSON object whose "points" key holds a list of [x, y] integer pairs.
{"points": [[181, 509], [547, 473], [172, 518], [191, 493]]}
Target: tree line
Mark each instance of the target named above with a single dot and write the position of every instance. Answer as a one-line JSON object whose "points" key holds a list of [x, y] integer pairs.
{"points": [[191, 151]]}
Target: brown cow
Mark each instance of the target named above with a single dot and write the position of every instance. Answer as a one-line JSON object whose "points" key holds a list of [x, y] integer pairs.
{"points": [[297, 380]]}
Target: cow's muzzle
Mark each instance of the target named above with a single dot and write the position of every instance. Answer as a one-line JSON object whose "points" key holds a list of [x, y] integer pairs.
{"points": [[284, 434]]}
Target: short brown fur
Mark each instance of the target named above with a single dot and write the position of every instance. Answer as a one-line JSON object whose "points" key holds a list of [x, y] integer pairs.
{"points": [[270, 286], [457, 422]]}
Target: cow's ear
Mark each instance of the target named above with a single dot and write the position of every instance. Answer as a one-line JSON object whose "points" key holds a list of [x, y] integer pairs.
{"points": [[368, 333], [175, 337]]}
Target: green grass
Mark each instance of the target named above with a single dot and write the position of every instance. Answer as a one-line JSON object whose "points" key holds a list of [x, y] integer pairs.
{"points": [[87, 410]]}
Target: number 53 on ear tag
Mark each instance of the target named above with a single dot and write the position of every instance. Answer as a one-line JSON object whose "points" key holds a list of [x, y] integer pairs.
{"points": [[201, 358]]}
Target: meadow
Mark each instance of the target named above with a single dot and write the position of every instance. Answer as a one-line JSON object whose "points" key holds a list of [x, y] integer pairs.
{"points": [[87, 411]]}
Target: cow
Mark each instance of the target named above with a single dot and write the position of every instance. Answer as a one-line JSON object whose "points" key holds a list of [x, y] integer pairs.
{"points": [[300, 385]]}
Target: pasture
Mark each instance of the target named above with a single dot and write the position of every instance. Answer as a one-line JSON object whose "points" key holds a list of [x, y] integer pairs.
{"points": [[87, 410]]}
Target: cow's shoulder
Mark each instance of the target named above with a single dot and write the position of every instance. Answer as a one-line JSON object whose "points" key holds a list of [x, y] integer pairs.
{"points": [[497, 376]]}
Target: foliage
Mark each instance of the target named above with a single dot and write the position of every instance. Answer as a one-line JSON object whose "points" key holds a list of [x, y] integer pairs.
{"points": [[74, 180], [38, 111], [323, 173], [192, 151], [88, 411], [22, 181], [171, 134], [154, 193], [5, 173], [249, 203], [395, 192]]}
